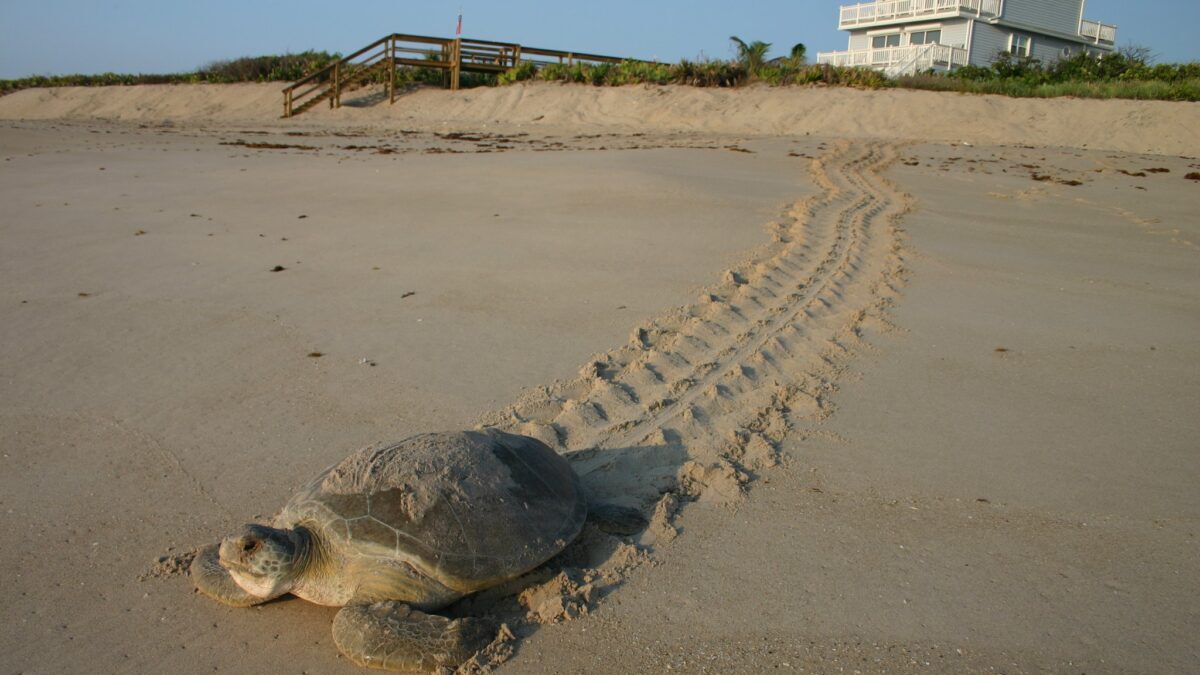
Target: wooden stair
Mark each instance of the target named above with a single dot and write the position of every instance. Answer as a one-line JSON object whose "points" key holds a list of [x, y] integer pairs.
{"points": [[387, 54]]}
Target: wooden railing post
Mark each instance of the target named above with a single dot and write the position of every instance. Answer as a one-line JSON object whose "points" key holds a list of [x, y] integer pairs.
{"points": [[391, 59], [456, 64], [446, 58], [333, 92]]}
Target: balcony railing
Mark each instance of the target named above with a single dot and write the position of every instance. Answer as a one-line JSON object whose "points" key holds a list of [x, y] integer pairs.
{"points": [[1101, 33], [895, 61], [885, 11]]}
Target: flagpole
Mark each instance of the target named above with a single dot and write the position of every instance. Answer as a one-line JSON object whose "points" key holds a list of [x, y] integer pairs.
{"points": [[455, 69]]}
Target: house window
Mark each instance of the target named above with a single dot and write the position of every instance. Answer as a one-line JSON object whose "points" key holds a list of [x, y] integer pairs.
{"points": [[1020, 45], [881, 41], [925, 37]]}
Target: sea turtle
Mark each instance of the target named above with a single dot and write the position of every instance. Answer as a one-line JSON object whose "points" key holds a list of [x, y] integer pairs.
{"points": [[394, 531]]}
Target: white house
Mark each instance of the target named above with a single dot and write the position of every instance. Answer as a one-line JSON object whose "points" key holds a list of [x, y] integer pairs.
{"points": [[908, 36]]}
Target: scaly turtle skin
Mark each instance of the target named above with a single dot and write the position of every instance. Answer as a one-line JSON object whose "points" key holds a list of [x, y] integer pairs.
{"points": [[393, 532]]}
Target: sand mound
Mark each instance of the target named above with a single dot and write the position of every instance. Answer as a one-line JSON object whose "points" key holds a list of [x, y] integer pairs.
{"points": [[1130, 126], [155, 103]]}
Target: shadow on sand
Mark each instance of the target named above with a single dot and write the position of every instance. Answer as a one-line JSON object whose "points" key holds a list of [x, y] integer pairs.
{"points": [[592, 566]]}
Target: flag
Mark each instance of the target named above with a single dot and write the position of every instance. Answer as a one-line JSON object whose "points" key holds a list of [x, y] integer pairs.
{"points": [[458, 31]]}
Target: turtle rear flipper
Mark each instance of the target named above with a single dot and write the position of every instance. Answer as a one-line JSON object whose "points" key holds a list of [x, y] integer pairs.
{"points": [[214, 581], [391, 635], [622, 521]]}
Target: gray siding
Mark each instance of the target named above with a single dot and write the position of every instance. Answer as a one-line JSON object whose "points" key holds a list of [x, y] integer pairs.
{"points": [[954, 32], [1048, 49], [988, 41], [1061, 16]]}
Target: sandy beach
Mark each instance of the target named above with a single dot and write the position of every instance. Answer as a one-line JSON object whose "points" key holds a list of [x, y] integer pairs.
{"points": [[906, 393]]}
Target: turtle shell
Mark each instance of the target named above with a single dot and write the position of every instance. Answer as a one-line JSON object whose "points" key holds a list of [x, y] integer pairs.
{"points": [[468, 509]]}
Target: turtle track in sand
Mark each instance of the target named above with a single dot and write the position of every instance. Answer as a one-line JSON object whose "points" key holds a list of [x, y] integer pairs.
{"points": [[698, 401]]}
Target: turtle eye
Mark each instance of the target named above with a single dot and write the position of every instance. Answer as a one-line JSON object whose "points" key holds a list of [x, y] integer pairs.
{"points": [[249, 546]]}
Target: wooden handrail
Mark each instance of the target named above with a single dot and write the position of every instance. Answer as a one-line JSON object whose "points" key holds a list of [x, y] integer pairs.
{"points": [[474, 41], [453, 55], [330, 67], [404, 37], [578, 56]]}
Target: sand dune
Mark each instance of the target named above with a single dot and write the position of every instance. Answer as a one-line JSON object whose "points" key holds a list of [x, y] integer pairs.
{"points": [[1129, 126]]}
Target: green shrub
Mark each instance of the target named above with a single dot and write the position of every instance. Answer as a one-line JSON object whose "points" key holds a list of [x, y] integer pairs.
{"points": [[753, 55], [1125, 74], [638, 72], [273, 68], [709, 73], [522, 72], [712, 73], [284, 68]]}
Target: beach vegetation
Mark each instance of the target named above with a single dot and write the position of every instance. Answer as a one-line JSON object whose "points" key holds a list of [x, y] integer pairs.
{"points": [[1128, 73], [525, 71], [695, 73], [271, 68], [752, 56], [707, 73]]}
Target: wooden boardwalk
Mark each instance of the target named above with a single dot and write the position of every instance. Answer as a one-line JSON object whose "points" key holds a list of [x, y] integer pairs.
{"points": [[382, 58]]}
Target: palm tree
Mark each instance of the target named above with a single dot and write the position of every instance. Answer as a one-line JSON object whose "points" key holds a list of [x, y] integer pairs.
{"points": [[799, 53], [752, 56]]}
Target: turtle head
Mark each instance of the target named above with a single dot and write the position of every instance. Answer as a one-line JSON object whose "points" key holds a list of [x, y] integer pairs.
{"points": [[264, 561]]}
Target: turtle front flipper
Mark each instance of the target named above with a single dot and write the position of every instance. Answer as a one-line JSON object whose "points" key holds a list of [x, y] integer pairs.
{"points": [[393, 636], [214, 581]]}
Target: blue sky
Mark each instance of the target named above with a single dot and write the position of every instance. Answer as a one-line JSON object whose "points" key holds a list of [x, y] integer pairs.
{"points": [[45, 37]]}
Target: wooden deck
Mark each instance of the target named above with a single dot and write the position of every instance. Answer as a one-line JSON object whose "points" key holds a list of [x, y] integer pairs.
{"points": [[382, 58]]}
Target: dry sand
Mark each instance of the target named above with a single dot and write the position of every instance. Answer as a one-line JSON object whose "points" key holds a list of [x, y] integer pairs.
{"points": [[893, 405]]}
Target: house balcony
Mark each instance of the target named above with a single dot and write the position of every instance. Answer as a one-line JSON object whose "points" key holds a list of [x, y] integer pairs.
{"points": [[867, 14], [894, 61], [1100, 33]]}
